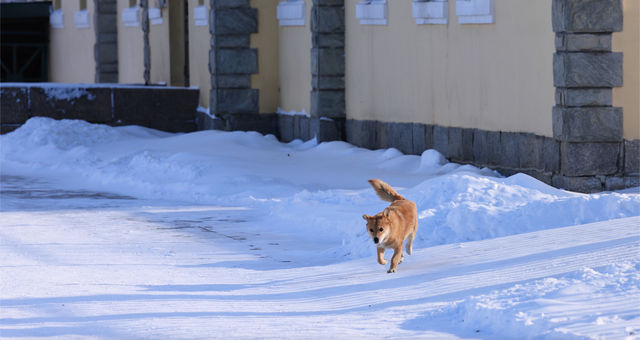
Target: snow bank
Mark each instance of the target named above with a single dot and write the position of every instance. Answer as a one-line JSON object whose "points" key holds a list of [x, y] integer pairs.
{"points": [[318, 191], [595, 301]]}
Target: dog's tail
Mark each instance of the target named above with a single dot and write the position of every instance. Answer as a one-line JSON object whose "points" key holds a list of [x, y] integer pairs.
{"points": [[385, 191]]}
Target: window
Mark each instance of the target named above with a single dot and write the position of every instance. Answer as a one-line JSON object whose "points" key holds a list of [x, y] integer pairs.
{"points": [[81, 18], [372, 12], [200, 14], [430, 12], [155, 16], [131, 15], [56, 18], [291, 13], [475, 11]]}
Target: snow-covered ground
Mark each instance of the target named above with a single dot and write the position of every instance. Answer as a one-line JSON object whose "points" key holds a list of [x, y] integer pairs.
{"points": [[133, 233]]}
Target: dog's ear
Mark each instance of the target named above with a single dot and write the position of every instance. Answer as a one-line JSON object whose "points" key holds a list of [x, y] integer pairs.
{"points": [[386, 212], [366, 217]]}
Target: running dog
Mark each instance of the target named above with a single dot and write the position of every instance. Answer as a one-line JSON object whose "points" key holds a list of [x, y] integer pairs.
{"points": [[396, 223]]}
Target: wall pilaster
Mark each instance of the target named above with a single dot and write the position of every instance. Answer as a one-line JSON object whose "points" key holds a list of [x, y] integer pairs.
{"points": [[587, 126], [327, 70], [106, 47], [231, 59]]}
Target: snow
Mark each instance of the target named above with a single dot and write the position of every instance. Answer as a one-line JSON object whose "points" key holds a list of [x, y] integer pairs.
{"points": [[206, 111], [293, 112], [67, 93], [70, 86], [127, 232]]}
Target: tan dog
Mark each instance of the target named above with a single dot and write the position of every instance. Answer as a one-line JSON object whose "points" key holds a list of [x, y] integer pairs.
{"points": [[391, 227]]}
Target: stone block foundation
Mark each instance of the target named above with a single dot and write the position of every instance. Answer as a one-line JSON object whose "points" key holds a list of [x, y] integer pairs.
{"points": [[579, 166], [582, 167], [170, 109]]}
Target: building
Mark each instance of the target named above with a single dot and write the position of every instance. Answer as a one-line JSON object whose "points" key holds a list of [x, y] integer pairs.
{"points": [[546, 87]]}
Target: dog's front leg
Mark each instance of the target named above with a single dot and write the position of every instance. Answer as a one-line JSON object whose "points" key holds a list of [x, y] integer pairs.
{"points": [[395, 259], [381, 259]]}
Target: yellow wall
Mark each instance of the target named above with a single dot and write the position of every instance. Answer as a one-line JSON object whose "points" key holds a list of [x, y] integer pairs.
{"points": [[493, 76], [130, 50], [199, 46], [266, 41], [166, 48], [166, 41], [628, 96], [160, 51], [71, 58], [295, 65]]}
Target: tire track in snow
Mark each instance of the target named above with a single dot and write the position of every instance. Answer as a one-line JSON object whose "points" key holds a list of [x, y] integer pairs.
{"points": [[375, 289]]}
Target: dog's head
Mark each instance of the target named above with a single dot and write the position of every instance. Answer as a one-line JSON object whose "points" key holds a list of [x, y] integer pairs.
{"points": [[378, 226]]}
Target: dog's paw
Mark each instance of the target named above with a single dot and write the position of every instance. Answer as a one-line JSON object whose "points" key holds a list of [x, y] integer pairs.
{"points": [[383, 262], [392, 270]]}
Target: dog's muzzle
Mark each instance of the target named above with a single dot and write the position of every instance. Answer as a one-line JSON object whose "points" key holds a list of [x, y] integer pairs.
{"points": [[376, 240]]}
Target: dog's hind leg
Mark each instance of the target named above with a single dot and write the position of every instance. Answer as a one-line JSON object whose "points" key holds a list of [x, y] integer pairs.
{"points": [[409, 245], [412, 236]]}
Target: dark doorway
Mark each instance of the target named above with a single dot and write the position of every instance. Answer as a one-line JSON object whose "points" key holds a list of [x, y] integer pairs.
{"points": [[24, 29]]}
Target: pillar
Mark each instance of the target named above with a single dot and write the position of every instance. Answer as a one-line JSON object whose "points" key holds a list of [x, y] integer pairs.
{"points": [[585, 70]]}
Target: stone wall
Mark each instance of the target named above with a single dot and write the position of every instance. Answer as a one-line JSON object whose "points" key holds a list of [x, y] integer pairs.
{"points": [[593, 154], [231, 60], [587, 152], [547, 159], [163, 108], [507, 152]]}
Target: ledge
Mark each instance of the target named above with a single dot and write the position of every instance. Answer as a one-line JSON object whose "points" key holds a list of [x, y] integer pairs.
{"points": [[170, 109], [291, 13], [200, 16], [475, 11], [82, 19], [430, 12], [131, 17], [155, 16], [372, 12], [56, 19]]}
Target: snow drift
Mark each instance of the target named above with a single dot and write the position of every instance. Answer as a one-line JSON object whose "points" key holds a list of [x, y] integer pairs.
{"points": [[129, 232], [305, 188]]}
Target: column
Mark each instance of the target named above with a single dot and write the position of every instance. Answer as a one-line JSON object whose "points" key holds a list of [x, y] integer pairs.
{"points": [[585, 70], [327, 69], [231, 60], [106, 47]]}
